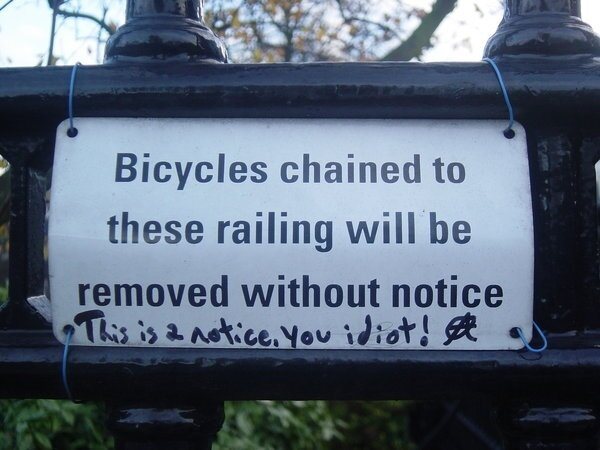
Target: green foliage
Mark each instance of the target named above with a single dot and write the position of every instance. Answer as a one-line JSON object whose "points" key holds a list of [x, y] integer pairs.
{"points": [[373, 425], [270, 425], [4, 293], [315, 425], [52, 424], [265, 425]]}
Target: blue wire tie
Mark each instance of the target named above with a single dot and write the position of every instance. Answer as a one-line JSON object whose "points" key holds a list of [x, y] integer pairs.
{"points": [[69, 330], [509, 133], [72, 131], [526, 344]]}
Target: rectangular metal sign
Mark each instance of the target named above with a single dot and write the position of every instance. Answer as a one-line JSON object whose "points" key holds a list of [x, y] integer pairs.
{"points": [[291, 234]]}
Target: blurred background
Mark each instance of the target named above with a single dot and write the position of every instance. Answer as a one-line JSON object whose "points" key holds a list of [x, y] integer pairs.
{"points": [[270, 30], [63, 32]]}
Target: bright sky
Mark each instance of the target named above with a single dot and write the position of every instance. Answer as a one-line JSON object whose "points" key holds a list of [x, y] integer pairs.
{"points": [[25, 27]]}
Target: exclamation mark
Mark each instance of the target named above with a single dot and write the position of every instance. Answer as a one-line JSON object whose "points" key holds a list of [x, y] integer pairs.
{"points": [[142, 334], [425, 339]]}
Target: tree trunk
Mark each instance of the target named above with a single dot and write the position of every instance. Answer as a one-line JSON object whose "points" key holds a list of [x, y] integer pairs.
{"points": [[420, 39]]}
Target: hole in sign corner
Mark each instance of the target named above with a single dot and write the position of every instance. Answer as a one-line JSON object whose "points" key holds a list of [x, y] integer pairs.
{"points": [[509, 133]]}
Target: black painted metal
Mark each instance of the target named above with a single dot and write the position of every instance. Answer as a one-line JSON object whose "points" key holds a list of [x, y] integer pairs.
{"points": [[541, 92], [566, 219], [546, 60], [30, 157], [159, 427], [165, 30], [543, 28], [550, 426], [30, 368]]}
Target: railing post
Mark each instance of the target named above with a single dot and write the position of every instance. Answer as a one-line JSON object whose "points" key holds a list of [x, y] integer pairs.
{"points": [[158, 428], [528, 426], [543, 28], [166, 30], [551, 32]]}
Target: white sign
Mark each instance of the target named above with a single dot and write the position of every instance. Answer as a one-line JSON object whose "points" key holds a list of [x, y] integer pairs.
{"points": [[303, 234]]}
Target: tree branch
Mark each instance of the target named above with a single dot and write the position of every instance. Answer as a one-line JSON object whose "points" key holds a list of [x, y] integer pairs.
{"points": [[349, 19], [100, 22], [420, 39]]}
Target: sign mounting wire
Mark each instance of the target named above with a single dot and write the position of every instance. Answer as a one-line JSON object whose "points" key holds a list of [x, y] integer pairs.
{"points": [[509, 133], [72, 131], [69, 331], [517, 332]]}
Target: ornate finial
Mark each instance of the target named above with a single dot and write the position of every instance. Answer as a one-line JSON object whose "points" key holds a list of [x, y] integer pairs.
{"points": [[543, 28], [164, 30]]}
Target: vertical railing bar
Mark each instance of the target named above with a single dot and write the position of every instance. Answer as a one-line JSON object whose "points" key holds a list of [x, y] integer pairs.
{"points": [[36, 212], [18, 241], [589, 238], [17, 314]]}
